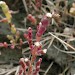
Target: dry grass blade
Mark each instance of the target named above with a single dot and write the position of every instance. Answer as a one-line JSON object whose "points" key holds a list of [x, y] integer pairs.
{"points": [[25, 5], [35, 8], [11, 71], [63, 73], [49, 3], [23, 30], [50, 43], [48, 68], [17, 70], [62, 41], [3, 72], [43, 10], [67, 52]]}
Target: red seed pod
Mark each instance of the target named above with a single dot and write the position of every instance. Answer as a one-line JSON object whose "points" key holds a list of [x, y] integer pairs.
{"points": [[38, 64], [28, 63], [37, 67], [5, 44], [23, 65], [29, 37], [30, 33], [45, 21], [40, 31], [31, 19], [42, 27], [38, 38]]}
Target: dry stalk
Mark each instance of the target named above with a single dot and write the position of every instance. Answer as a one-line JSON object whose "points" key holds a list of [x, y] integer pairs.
{"points": [[63, 73], [11, 71], [17, 70], [48, 68], [50, 43], [62, 41], [67, 52], [25, 5]]}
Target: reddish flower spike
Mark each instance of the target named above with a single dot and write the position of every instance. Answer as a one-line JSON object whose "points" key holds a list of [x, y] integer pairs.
{"points": [[37, 66], [41, 31], [42, 28], [31, 19], [22, 63], [29, 37], [30, 33], [45, 21]]}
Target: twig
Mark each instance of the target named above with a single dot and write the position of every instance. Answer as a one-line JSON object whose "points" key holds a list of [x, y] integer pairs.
{"points": [[63, 35], [62, 41], [48, 68], [58, 34], [50, 43], [11, 71], [3, 73], [15, 2], [43, 10], [17, 70], [25, 5], [67, 52], [22, 29], [42, 70], [49, 3], [65, 70], [46, 44], [45, 39], [1, 17], [35, 8], [25, 20]]}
